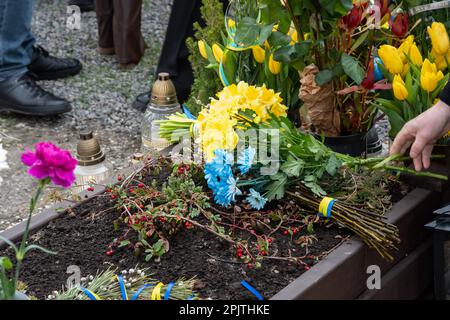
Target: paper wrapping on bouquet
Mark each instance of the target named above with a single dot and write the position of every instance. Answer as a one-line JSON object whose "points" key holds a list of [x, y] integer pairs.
{"points": [[320, 103]]}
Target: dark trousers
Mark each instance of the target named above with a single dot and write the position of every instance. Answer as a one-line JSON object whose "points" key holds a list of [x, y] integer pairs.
{"points": [[174, 55], [119, 28]]}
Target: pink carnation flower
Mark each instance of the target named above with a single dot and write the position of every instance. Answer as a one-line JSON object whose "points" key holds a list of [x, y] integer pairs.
{"points": [[49, 161]]}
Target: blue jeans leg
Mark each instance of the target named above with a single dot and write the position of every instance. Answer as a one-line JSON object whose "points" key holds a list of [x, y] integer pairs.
{"points": [[16, 39]]}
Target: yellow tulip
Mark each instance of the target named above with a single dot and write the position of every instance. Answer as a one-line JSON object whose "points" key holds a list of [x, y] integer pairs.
{"points": [[218, 52], [202, 49], [391, 59], [430, 77], [405, 48], [259, 54], [439, 38], [441, 61], [415, 55], [428, 67], [294, 36], [399, 87], [405, 70], [274, 66]]}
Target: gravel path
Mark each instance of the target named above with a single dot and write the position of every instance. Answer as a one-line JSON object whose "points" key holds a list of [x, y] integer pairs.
{"points": [[101, 97]]}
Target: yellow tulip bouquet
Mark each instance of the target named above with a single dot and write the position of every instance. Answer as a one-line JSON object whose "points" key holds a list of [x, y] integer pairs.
{"points": [[416, 81], [251, 59]]}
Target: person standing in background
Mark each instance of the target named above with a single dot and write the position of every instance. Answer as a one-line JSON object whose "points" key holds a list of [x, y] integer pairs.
{"points": [[119, 30], [22, 63], [174, 58]]}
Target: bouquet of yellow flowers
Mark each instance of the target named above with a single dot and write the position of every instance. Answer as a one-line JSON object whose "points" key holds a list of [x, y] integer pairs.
{"points": [[416, 82], [216, 126]]}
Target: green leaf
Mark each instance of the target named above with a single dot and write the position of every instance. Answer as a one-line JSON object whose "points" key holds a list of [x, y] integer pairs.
{"points": [[276, 189], [324, 76], [6, 263], [124, 243], [352, 68], [292, 167], [247, 32], [12, 245], [333, 165], [36, 247], [310, 182]]}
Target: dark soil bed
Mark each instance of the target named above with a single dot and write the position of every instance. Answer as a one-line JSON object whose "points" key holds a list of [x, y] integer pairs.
{"points": [[79, 239], [82, 235]]}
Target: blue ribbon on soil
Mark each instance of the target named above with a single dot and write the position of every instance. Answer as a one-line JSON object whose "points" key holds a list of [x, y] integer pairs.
{"points": [[168, 290], [252, 290]]}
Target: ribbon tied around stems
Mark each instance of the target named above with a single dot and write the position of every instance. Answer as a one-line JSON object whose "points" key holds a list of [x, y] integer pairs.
{"points": [[156, 293], [325, 207]]}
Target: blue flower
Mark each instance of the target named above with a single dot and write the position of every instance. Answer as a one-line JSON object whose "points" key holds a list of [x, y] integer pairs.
{"points": [[226, 191], [245, 160], [220, 179], [256, 200], [223, 157]]}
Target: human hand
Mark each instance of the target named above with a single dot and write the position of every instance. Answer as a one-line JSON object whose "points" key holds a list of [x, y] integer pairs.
{"points": [[421, 133]]}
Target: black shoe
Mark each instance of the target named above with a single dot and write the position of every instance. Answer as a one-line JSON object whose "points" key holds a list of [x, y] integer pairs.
{"points": [[142, 101], [85, 5], [22, 95], [43, 66]]}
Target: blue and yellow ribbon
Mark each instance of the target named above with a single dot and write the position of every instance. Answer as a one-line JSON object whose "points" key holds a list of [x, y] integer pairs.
{"points": [[156, 293], [325, 207], [91, 295]]}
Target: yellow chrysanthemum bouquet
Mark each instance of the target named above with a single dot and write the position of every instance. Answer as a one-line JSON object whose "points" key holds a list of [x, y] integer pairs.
{"points": [[217, 124], [416, 81]]}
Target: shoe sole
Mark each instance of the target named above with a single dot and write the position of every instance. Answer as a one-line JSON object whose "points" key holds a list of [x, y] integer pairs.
{"points": [[58, 74], [34, 110]]}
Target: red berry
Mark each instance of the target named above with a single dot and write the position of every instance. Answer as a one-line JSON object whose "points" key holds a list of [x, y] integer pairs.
{"points": [[264, 253], [140, 185], [307, 268], [269, 240], [239, 254], [109, 252], [249, 265], [285, 232], [187, 225], [113, 197], [131, 190], [142, 206], [90, 189], [119, 178]]}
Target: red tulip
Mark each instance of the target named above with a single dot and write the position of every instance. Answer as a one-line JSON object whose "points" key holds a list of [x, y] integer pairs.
{"points": [[353, 18], [369, 80], [399, 26], [384, 7]]}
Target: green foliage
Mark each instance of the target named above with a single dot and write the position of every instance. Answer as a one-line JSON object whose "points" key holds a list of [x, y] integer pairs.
{"points": [[206, 82], [157, 212]]}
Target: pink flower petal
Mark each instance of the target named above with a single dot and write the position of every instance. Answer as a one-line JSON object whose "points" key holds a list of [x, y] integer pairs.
{"points": [[28, 158], [39, 171]]}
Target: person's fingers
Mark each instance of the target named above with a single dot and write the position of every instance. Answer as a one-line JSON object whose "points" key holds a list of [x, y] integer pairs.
{"points": [[418, 162], [404, 138], [416, 151], [426, 155], [406, 146]]}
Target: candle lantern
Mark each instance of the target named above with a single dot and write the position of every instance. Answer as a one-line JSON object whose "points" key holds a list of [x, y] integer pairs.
{"points": [[163, 103], [441, 250], [92, 167]]}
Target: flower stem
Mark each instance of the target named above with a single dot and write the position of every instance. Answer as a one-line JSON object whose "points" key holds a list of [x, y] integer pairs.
{"points": [[21, 252]]}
